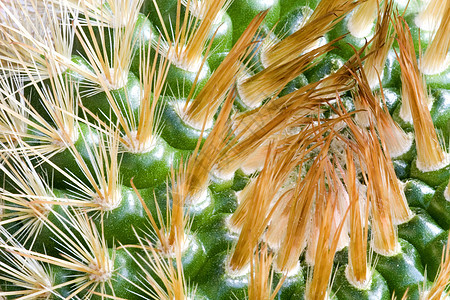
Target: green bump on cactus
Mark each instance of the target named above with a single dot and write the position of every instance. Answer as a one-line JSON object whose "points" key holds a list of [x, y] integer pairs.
{"points": [[217, 149]]}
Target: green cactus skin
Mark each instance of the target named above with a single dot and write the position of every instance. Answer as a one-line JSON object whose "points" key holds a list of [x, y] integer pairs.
{"points": [[439, 207], [378, 288], [403, 270]]}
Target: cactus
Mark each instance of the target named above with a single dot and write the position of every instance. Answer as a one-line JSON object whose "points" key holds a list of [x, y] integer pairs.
{"points": [[217, 149]]}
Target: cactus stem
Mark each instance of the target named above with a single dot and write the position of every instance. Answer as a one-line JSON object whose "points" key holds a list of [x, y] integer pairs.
{"points": [[77, 126], [441, 283], [447, 192]]}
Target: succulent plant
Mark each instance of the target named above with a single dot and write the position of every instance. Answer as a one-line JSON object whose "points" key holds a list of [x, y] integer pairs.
{"points": [[218, 149]]}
